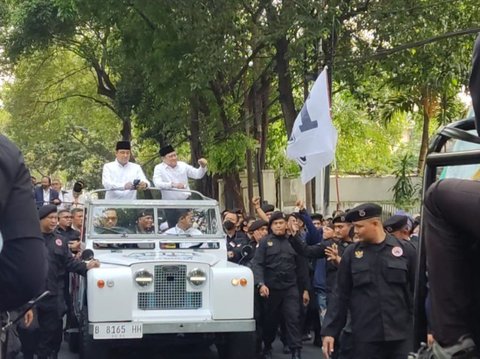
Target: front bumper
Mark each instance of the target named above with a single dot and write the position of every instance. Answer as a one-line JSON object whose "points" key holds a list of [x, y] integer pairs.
{"points": [[219, 326]]}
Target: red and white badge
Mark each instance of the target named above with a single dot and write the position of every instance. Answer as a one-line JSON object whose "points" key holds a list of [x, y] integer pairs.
{"points": [[58, 242], [397, 251]]}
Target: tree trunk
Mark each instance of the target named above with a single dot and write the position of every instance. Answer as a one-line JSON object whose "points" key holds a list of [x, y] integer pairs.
{"points": [[203, 185], [126, 131], [425, 140], [285, 88], [233, 191]]}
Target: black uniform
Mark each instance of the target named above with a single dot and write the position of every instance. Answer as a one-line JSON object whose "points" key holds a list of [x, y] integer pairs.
{"points": [[342, 348], [52, 308], [68, 234], [375, 282], [235, 245], [22, 260], [279, 267]]}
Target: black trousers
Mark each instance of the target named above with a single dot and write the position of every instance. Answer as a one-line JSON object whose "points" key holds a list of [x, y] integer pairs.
{"points": [[346, 346], [397, 349], [452, 230], [282, 302], [50, 325]]}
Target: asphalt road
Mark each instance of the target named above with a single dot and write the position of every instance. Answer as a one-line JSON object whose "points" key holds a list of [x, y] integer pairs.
{"points": [[309, 352]]}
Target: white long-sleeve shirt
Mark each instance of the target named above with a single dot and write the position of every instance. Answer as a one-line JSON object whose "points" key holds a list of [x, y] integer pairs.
{"points": [[115, 175], [164, 176]]}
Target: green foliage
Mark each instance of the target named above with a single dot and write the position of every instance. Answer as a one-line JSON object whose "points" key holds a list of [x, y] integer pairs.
{"points": [[276, 155], [228, 156], [405, 194], [60, 124]]}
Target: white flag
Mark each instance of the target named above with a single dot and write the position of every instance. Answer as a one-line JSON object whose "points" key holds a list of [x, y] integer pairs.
{"points": [[314, 139]]}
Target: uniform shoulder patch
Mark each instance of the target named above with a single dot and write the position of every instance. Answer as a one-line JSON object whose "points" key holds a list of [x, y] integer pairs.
{"points": [[397, 251], [58, 242]]}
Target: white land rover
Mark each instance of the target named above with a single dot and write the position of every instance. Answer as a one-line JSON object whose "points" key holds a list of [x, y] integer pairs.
{"points": [[164, 274]]}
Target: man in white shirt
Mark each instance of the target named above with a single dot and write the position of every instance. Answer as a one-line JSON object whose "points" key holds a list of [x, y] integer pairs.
{"points": [[172, 173], [121, 177], [184, 227]]}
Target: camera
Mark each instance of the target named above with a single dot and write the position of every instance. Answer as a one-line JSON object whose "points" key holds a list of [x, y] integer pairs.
{"points": [[136, 183]]}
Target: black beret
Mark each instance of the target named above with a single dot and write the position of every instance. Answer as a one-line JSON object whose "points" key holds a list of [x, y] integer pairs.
{"points": [[257, 225], [165, 150], [123, 145], [46, 210], [395, 223], [316, 216], [364, 211], [268, 208], [340, 218], [276, 216], [144, 212]]}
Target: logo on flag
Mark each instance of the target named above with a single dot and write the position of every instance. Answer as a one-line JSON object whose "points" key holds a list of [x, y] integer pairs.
{"points": [[314, 138]]}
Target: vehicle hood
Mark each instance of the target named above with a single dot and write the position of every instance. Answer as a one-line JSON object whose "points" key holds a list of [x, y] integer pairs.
{"points": [[129, 258]]}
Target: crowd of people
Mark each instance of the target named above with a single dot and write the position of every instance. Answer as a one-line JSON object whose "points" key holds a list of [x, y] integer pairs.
{"points": [[348, 278]]}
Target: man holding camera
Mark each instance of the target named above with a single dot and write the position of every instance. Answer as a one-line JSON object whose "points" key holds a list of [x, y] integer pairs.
{"points": [[122, 178]]}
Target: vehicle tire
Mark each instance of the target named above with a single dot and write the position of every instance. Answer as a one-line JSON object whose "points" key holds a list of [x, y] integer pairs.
{"points": [[239, 345], [90, 348]]}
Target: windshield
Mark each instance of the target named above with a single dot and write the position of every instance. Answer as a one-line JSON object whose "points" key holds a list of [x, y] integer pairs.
{"points": [[150, 221]]}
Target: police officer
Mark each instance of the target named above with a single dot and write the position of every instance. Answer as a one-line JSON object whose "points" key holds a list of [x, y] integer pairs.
{"points": [[333, 249], [375, 282], [277, 267], [60, 260], [22, 274], [399, 226], [257, 231]]}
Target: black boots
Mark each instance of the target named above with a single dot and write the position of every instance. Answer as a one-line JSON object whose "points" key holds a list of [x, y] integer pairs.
{"points": [[296, 354]]}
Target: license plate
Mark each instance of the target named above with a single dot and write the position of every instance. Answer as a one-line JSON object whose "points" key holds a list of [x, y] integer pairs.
{"points": [[117, 330]]}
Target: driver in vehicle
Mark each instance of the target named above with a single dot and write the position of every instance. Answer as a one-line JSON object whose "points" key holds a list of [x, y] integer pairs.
{"points": [[145, 222], [184, 227], [108, 223]]}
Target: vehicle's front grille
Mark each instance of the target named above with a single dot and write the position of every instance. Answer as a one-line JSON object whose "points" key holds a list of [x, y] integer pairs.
{"points": [[170, 291]]}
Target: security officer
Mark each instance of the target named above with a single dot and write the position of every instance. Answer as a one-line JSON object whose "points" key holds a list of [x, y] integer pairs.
{"points": [[336, 245], [60, 260], [341, 241], [399, 227], [375, 282], [257, 231], [22, 275], [277, 268]]}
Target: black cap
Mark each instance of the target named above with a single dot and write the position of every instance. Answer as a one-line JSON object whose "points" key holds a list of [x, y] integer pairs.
{"points": [[257, 225], [395, 223], [316, 216], [276, 216], [123, 145], [78, 186], [340, 218], [165, 150], [46, 210], [268, 208], [363, 211], [144, 212]]}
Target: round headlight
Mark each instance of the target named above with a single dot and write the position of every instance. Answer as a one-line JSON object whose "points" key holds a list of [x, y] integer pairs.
{"points": [[197, 277], [143, 278]]}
